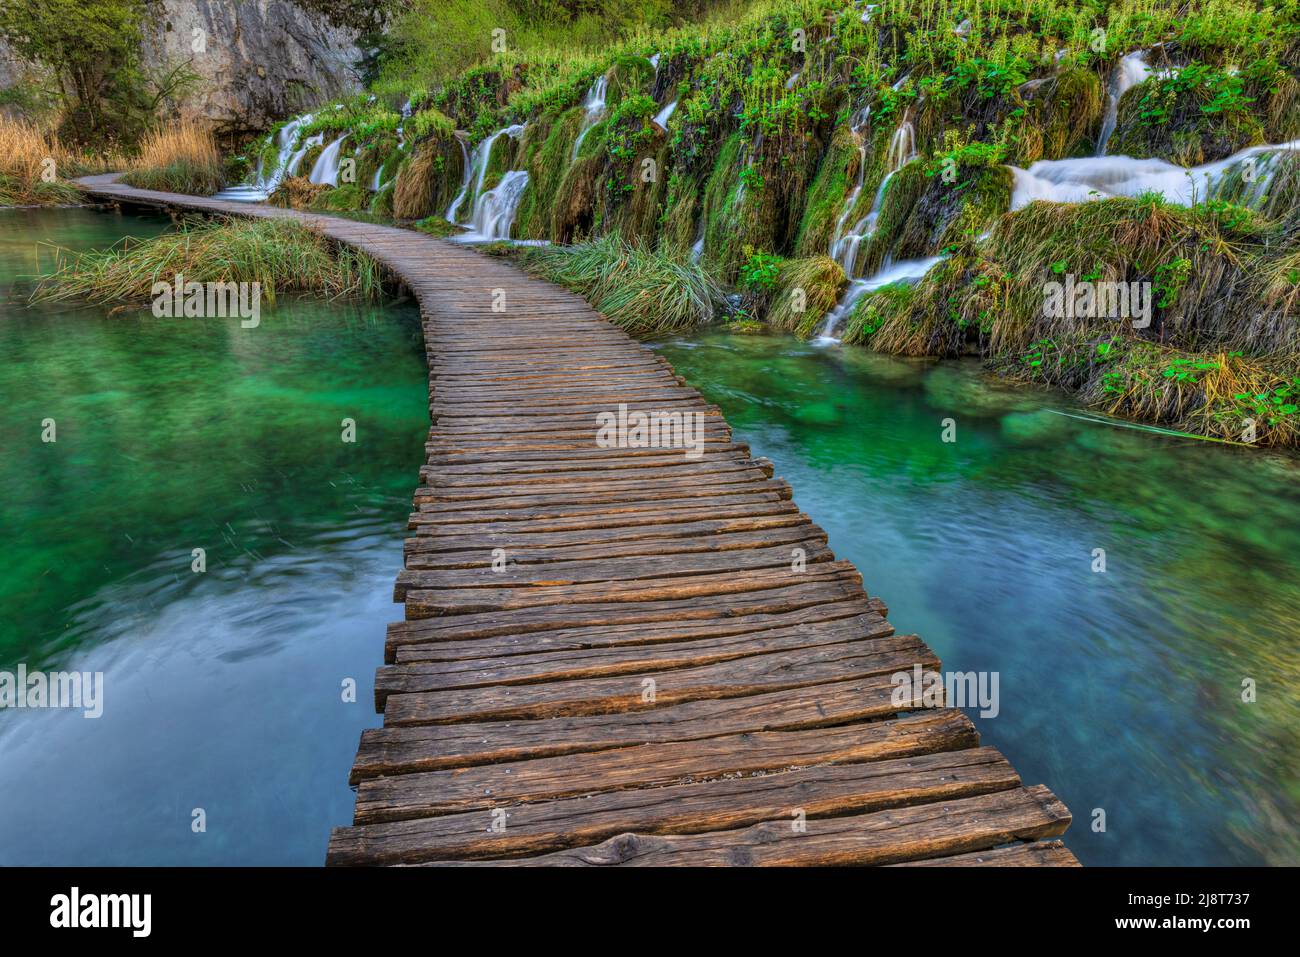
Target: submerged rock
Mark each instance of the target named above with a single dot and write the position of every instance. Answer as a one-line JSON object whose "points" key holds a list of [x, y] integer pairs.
{"points": [[1033, 428]]}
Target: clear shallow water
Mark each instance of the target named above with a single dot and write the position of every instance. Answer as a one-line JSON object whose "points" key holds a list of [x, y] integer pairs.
{"points": [[223, 690], [1120, 690]]}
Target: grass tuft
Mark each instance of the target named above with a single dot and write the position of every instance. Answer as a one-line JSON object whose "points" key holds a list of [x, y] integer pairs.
{"points": [[646, 293], [282, 255]]}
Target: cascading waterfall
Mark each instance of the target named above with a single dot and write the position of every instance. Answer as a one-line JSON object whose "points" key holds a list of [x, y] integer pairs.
{"points": [[845, 246], [1131, 70], [494, 210], [263, 181], [890, 272], [661, 118], [595, 107], [326, 170], [479, 164], [1099, 177], [467, 171]]}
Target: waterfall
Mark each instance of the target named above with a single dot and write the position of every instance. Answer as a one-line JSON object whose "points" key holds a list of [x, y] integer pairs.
{"points": [[466, 171], [595, 106], [794, 78], [661, 118], [1099, 177], [263, 181], [326, 170], [909, 270], [494, 211], [902, 150], [1131, 70], [844, 246], [479, 164]]}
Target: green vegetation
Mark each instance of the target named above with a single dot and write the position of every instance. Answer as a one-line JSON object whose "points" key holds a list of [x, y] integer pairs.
{"points": [[810, 131], [283, 256], [646, 293]]}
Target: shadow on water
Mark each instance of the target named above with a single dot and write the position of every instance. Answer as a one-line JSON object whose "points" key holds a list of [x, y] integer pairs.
{"points": [[1121, 690], [222, 690]]}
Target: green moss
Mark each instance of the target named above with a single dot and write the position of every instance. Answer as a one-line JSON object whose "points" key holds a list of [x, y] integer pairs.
{"points": [[722, 234], [830, 190], [350, 196], [629, 75], [547, 163], [436, 226]]}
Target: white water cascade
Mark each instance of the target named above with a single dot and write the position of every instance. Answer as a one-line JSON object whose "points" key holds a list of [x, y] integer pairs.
{"points": [[1131, 70], [595, 107], [1099, 177], [902, 150], [909, 270], [845, 245], [326, 169], [477, 166], [494, 210], [661, 118], [264, 181]]}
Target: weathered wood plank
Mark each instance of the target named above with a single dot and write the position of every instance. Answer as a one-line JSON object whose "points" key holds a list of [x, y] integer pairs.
{"points": [[721, 804], [881, 837]]}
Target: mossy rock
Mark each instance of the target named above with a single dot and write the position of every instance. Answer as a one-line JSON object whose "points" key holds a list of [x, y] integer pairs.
{"points": [[629, 75], [830, 189], [437, 226], [1187, 135], [348, 197], [946, 213], [429, 179], [547, 159]]}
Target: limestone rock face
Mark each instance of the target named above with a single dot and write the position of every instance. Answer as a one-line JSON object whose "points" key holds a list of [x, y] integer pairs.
{"points": [[260, 60]]}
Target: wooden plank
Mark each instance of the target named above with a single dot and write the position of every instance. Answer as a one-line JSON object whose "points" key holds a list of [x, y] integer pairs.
{"points": [[431, 602], [550, 665], [768, 601], [882, 837], [511, 573], [401, 781], [717, 805], [1037, 854], [471, 555], [594, 638]]}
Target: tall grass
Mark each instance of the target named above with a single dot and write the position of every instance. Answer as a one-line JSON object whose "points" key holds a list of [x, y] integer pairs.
{"points": [[282, 255], [646, 293], [182, 158], [34, 166]]}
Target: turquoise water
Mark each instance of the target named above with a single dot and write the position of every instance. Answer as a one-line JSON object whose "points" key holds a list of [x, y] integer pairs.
{"points": [[1121, 690], [223, 690]]}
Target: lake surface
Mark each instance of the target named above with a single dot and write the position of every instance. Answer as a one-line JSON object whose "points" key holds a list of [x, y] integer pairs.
{"points": [[223, 690], [1121, 690]]}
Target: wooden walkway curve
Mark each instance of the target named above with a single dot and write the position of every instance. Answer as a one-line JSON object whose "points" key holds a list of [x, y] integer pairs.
{"points": [[651, 678]]}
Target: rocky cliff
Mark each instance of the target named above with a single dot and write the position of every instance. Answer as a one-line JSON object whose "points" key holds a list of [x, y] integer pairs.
{"points": [[256, 61], [259, 60]]}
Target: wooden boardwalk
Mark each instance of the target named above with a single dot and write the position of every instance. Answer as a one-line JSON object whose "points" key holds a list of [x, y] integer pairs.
{"points": [[613, 656]]}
